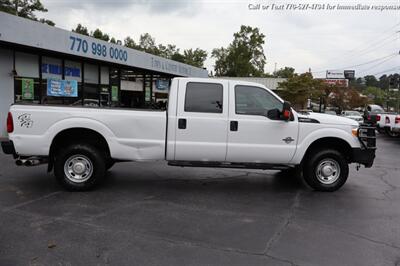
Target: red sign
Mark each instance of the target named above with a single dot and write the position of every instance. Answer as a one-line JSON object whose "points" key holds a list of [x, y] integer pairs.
{"points": [[338, 82]]}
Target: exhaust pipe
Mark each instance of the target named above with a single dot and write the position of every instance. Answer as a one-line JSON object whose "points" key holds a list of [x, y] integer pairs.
{"points": [[20, 162], [33, 161]]}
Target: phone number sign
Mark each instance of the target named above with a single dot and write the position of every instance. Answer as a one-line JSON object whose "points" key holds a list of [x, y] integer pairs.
{"points": [[81, 45]]}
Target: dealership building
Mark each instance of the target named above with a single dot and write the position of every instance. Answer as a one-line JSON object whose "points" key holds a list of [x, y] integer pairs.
{"points": [[41, 64]]}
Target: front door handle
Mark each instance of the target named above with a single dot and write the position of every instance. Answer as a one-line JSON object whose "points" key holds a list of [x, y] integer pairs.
{"points": [[182, 123], [234, 125]]}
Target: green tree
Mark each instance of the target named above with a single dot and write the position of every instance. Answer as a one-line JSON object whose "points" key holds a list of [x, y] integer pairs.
{"points": [[299, 88], [221, 62], [195, 57], [81, 30], [287, 72], [130, 43], [98, 34], [244, 56], [25, 9], [371, 81], [375, 95]]}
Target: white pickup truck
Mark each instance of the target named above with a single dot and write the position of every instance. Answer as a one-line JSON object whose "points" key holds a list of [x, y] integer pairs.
{"points": [[209, 123]]}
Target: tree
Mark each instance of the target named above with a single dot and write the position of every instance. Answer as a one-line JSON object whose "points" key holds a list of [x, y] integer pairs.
{"points": [[375, 95], [221, 62], [244, 56], [25, 9], [299, 88], [98, 34], [130, 43], [287, 72], [81, 30], [371, 81], [195, 57]]}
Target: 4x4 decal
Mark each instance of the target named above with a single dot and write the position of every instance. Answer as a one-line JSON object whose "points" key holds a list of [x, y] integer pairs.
{"points": [[25, 120]]}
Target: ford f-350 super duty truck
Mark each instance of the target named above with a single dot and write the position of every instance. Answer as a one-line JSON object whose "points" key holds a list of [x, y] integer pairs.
{"points": [[209, 123]]}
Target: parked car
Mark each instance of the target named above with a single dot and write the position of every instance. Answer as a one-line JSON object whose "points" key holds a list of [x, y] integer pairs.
{"points": [[209, 123], [389, 124], [330, 112], [370, 113], [354, 115]]}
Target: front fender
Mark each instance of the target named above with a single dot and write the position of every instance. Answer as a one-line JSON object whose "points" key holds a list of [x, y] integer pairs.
{"points": [[307, 136]]}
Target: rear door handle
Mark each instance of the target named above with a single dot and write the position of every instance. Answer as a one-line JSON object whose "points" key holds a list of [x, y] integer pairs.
{"points": [[182, 123], [234, 125]]}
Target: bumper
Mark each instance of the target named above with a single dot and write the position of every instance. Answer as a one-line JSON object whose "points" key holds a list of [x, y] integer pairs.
{"points": [[8, 148], [364, 156]]}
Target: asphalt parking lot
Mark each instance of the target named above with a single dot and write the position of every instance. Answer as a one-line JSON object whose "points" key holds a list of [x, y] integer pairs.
{"points": [[152, 214]]}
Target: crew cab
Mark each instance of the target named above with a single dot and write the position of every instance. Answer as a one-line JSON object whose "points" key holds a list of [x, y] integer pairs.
{"points": [[208, 123]]}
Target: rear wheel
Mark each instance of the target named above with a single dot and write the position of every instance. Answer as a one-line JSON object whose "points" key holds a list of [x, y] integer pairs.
{"points": [[326, 170], [390, 133], [79, 167]]}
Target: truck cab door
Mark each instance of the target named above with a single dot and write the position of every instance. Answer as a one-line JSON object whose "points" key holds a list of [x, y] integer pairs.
{"points": [[202, 120], [253, 137]]}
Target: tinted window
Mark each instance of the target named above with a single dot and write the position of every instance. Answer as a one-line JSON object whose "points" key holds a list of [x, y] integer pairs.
{"points": [[203, 97], [251, 100]]}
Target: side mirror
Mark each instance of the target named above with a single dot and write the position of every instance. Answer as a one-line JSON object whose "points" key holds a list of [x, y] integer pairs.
{"points": [[274, 114], [286, 111]]}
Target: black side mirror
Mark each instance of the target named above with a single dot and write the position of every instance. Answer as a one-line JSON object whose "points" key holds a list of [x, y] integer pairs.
{"points": [[286, 111], [274, 114]]}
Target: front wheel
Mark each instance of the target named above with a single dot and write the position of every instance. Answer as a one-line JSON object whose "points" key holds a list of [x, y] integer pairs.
{"points": [[326, 170], [79, 167]]}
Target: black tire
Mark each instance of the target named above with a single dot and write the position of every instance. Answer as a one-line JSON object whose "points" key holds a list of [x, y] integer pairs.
{"points": [[391, 133], [380, 130], [332, 159], [90, 158]]}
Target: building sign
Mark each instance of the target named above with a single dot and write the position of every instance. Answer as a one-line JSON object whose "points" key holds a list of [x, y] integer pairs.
{"points": [[27, 89], [332, 74], [62, 88], [114, 93], [349, 74], [162, 85], [337, 82], [57, 70]]}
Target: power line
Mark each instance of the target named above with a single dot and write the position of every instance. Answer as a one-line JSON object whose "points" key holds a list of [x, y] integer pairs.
{"points": [[362, 64], [380, 63], [387, 70]]}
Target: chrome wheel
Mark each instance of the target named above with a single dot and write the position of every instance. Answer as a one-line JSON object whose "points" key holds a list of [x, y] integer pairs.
{"points": [[328, 171], [78, 168]]}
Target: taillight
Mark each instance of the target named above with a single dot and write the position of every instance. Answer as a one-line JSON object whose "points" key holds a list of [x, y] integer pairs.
{"points": [[378, 118], [387, 120], [10, 123], [397, 120]]}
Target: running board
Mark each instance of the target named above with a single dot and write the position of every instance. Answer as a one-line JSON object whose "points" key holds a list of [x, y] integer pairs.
{"points": [[261, 166]]}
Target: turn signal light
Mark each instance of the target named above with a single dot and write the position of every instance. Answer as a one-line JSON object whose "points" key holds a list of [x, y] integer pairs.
{"points": [[378, 118], [397, 120], [10, 123], [354, 132]]}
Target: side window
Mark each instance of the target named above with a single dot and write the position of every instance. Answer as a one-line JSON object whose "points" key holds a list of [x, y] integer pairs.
{"points": [[203, 97], [251, 100]]}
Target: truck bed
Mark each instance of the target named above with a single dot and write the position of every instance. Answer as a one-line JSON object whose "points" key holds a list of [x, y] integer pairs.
{"points": [[130, 134]]}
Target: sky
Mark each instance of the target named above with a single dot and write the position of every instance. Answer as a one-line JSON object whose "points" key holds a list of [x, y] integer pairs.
{"points": [[367, 41]]}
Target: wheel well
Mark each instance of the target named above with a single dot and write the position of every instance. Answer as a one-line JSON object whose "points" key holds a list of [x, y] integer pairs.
{"points": [[73, 135], [338, 144]]}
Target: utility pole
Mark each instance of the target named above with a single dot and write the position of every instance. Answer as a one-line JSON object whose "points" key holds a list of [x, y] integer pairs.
{"points": [[16, 8]]}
